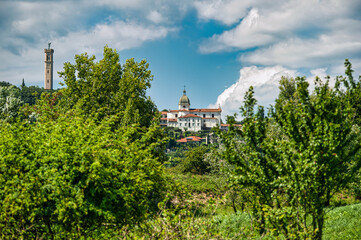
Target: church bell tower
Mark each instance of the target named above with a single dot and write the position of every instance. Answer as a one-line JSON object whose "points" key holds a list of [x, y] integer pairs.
{"points": [[48, 84]]}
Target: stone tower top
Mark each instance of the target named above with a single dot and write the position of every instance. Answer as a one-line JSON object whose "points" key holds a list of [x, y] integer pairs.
{"points": [[48, 82]]}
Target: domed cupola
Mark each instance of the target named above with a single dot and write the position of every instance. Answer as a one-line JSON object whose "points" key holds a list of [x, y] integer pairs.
{"points": [[184, 102]]}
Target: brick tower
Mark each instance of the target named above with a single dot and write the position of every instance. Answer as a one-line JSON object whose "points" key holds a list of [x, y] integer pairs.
{"points": [[48, 84]]}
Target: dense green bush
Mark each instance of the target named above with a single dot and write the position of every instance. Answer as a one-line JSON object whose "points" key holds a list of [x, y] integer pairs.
{"points": [[66, 178], [194, 161]]}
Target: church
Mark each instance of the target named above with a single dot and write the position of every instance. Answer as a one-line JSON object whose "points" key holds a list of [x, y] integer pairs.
{"points": [[191, 119]]}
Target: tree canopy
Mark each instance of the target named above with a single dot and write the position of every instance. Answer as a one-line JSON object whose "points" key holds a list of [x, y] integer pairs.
{"points": [[101, 89]]}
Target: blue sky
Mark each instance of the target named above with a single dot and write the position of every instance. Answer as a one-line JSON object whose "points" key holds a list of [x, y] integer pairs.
{"points": [[216, 48]]}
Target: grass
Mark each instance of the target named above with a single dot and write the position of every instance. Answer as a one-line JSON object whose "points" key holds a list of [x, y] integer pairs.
{"points": [[343, 223]]}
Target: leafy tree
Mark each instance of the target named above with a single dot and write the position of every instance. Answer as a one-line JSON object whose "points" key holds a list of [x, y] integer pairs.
{"points": [[70, 177], [351, 91], [293, 163], [10, 102], [195, 161], [5, 84], [30, 94], [105, 88]]}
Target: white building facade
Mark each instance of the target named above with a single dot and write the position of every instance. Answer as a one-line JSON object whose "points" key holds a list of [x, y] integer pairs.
{"points": [[191, 119]]}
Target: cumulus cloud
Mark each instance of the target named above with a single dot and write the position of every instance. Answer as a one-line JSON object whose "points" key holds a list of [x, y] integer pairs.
{"points": [[329, 49], [73, 27], [265, 83], [295, 34], [155, 17], [245, 35], [120, 35]]}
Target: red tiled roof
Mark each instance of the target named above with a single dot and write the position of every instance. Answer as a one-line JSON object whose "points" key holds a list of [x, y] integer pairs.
{"points": [[164, 112], [172, 120], [190, 139], [182, 140], [227, 125], [163, 118], [190, 116]]}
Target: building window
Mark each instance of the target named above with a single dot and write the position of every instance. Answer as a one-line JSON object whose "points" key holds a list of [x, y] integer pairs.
{"points": [[176, 115], [204, 115], [212, 115]]}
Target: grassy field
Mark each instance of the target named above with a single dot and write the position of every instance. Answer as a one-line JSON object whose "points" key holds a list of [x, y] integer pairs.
{"points": [[217, 220]]}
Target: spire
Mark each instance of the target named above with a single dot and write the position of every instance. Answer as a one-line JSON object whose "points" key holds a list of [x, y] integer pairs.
{"points": [[23, 83], [184, 90]]}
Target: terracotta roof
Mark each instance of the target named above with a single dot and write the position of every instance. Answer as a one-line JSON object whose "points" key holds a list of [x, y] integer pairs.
{"points": [[165, 113], [172, 120], [227, 125], [163, 118], [182, 140], [190, 139], [190, 116]]}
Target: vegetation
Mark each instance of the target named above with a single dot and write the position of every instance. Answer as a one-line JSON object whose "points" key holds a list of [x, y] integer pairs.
{"points": [[90, 161]]}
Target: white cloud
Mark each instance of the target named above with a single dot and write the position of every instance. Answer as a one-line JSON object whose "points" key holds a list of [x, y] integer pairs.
{"points": [[156, 17], [295, 34], [119, 35], [245, 35], [227, 12], [265, 83], [329, 49]]}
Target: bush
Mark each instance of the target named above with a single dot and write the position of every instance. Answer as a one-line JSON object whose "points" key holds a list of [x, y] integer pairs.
{"points": [[67, 178]]}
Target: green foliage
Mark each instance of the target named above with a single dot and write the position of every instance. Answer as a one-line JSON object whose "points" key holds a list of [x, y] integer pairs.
{"points": [[105, 88], [5, 84], [10, 102], [195, 161], [208, 184], [30, 94], [294, 163], [68, 177]]}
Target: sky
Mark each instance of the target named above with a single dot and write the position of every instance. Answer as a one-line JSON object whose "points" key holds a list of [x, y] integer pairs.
{"points": [[217, 49]]}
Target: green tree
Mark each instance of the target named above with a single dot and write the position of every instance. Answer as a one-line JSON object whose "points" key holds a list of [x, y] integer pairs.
{"points": [[293, 163], [30, 94], [194, 161], [10, 102], [105, 88], [5, 84]]}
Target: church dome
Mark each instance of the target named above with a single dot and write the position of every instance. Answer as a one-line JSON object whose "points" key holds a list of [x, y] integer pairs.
{"points": [[184, 99]]}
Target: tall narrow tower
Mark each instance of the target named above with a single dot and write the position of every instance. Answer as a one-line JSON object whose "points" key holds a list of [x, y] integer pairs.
{"points": [[48, 84]]}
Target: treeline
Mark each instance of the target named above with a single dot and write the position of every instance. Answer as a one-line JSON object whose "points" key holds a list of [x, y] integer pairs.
{"points": [[12, 98]]}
